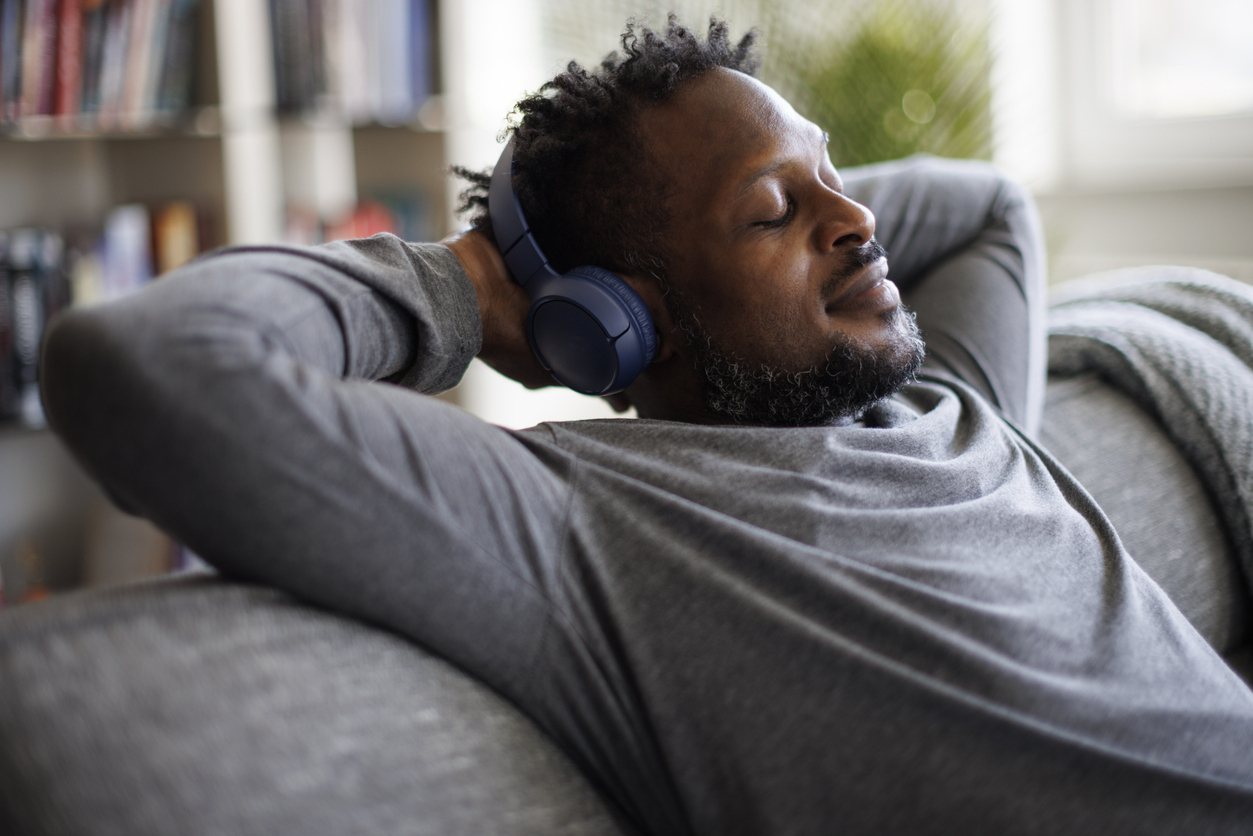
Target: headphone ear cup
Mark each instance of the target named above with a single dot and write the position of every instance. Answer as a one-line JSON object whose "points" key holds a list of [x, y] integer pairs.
{"points": [[590, 329], [641, 319]]}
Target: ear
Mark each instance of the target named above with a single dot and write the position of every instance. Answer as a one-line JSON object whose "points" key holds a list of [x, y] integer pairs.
{"points": [[649, 289]]}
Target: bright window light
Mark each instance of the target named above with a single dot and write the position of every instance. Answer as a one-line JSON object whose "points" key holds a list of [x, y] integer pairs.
{"points": [[1182, 58]]}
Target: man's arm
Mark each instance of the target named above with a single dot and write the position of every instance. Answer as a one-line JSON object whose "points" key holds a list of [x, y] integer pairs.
{"points": [[966, 249], [229, 404]]}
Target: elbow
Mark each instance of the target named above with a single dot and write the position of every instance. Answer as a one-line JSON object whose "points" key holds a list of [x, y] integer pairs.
{"points": [[85, 366], [69, 366]]}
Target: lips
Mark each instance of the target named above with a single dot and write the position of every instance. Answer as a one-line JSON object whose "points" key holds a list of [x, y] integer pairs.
{"points": [[868, 287]]}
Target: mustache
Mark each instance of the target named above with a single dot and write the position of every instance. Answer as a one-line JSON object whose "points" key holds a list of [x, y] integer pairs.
{"points": [[854, 260]]}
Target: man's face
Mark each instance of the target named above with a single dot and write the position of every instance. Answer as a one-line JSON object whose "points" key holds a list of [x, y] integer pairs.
{"points": [[776, 271]]}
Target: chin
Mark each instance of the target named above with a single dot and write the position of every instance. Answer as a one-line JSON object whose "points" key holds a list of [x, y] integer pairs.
{"points": [[853, 376]]}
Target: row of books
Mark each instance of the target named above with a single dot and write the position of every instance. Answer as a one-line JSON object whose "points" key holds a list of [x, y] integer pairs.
{"points": [[370, 60], [96, 64], [40, 275]]}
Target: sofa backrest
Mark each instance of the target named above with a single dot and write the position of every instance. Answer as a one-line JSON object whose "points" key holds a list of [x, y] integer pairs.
{"points": [[198, 706], [1156, 501]]}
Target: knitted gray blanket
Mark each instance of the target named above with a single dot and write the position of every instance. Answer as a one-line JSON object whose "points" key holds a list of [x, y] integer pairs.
{"points": [[1179, 341]]}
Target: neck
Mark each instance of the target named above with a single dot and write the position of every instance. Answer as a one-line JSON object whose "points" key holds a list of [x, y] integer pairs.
{"points": [[670, 391]]}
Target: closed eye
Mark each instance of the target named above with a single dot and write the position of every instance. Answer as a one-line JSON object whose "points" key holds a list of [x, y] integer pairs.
{"points": [[782, 220]]}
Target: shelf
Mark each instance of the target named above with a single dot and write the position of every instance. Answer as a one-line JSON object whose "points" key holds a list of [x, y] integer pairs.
{"points": [[201, 122], [428, 119]]}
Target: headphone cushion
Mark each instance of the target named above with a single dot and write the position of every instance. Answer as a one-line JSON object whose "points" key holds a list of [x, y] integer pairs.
{"points": [[622, 290]]}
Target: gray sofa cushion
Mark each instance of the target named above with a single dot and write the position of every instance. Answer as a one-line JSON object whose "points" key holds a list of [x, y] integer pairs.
{"points": [[198, 706], [1155, 499]]}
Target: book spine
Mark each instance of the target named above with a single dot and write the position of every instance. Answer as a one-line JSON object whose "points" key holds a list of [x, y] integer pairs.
{"points": [[10, 60], [127, 250], [69, 59], [113, 62], [319, 77], [420, 52], [156, 61], [8, 362], [28, 319], [354, 55], [48, 57], [56, 281], [174, 90], [138, 59], [175, 236], [392, 43], [32, 55], [279, 28], [94, 28]]}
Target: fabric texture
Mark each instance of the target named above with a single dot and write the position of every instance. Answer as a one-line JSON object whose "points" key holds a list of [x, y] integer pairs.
{"points": [[1181, 346], [918, 622], [203, 707], [1157, 503]]}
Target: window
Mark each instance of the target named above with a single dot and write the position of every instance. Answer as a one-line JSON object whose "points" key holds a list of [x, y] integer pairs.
{"points": [[1157, 93], [1181, 58]]}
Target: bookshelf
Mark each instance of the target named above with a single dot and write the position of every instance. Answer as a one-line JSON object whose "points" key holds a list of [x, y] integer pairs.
{"points": [[248, 168]]}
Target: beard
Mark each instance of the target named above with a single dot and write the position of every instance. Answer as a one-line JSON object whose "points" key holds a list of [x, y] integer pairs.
{"points": [[849, 380]]}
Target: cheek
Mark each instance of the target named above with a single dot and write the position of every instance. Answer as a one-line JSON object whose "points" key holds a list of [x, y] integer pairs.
{"points": [[770, 315]]}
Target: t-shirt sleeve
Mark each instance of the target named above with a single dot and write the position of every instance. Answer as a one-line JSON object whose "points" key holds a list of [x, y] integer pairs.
{"points": [[965, 247], [236, 404]]}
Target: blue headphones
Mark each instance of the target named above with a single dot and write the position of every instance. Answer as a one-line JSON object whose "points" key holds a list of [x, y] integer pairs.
{"points": [[587, 327]]}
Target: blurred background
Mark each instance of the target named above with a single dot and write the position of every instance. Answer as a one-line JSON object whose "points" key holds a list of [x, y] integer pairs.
{"points": [[135, 134]]}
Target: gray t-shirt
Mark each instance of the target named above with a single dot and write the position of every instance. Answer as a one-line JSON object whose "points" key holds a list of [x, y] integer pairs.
{"points": [[918, 623]]}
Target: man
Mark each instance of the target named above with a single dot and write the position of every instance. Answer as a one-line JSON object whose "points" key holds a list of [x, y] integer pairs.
{"points": [[778, 603]]}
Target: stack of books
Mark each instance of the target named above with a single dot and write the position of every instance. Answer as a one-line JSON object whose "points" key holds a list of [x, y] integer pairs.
{"points": [[368, 60], [33, 287], [40, 275], [96, 64]]}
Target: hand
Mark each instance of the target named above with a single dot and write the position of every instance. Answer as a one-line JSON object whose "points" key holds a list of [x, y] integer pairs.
{"points": [[503, 306]]}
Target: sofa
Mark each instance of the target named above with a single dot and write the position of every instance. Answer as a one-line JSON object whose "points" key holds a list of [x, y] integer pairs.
{"points": [[197, 705]]}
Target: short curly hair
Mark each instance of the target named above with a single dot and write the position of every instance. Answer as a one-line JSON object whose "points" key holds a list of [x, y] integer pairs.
{"points": [[582, 172]]}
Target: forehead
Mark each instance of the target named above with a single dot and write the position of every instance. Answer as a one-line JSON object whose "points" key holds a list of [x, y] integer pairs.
{"points": [[718, 127]]}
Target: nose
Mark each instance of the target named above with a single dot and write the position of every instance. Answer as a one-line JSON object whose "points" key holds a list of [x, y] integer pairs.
{"points": [[844, 223]]}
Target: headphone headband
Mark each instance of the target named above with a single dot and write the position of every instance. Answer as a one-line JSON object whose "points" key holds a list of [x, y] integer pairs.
{"points": [[588, 327], [513, 234]]}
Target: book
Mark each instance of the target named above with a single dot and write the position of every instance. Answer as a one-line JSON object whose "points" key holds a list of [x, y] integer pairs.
{"points": [[9, 402], [133, 106], [178, 60], [126, 250], [156, 62], [369, 60], [10, 60], [69, 80], [297, 57], [39, 38], [421, 56], [28, 321], [395, 75], [175, 235], [111, 64], [95, 25]]}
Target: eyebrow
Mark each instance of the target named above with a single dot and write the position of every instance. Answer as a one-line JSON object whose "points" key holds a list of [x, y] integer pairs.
{"points": [[767, 170]]}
